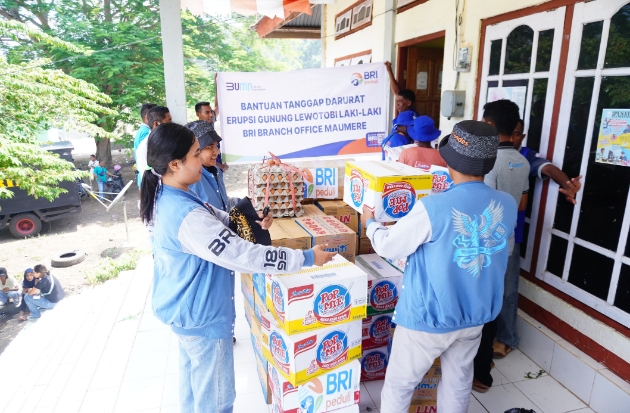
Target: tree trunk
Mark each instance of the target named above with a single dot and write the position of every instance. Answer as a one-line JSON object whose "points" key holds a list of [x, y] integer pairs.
{"points": [[104, 152]]}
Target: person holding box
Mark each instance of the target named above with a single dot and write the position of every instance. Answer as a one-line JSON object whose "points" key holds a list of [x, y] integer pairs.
{"points": [[456, 247], [195, 257]]}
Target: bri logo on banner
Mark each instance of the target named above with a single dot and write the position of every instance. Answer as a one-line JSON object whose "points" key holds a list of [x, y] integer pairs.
{"points": [[367, 78], [332, 304], [333, 350], [384, 296], [398, 199]]}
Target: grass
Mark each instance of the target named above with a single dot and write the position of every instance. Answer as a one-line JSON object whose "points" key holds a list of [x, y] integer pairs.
{"points": [[109, 268]]}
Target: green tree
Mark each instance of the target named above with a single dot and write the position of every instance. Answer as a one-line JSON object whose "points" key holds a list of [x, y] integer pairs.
{"points": [[33, 99]]}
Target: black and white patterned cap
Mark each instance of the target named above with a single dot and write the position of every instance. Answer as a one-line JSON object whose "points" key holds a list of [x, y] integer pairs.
{"points": [[471, 148], [204, 131]]}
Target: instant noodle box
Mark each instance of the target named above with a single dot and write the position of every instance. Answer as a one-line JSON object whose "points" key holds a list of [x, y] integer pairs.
{"points": [[287, 233], [328, 230], [375, 331], [342, 211], [336, 389], [392, 153], [389, 189], [247, 287], [302, 357], [317, 297], [374, 364], [384, 283]]}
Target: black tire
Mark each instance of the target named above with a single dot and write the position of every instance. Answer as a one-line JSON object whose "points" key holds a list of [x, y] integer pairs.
{"points": [[67, 259], [25, 225]]}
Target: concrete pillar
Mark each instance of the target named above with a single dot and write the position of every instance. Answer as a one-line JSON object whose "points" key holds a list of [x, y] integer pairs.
{"points": [[173, 54], [323, 33], [389, 51]]}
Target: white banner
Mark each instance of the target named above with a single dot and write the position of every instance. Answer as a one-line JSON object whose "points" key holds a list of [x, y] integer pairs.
{"points": [[304, 113]]}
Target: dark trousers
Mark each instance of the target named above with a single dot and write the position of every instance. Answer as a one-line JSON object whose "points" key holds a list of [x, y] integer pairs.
{"points": [[484, 353]]}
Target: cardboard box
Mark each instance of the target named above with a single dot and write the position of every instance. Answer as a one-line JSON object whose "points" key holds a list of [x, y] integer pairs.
{"points": [[249, 313], [426, 390], [374, 364], [342, 211], [390, 189], [336, 389], [384, 283], [441, 179], [247, 287], [287, 233], [317, 297], [393, 153], [375, 331], [363, 230], [311, 210], [426, 406], [400, 264], [365, 246], [302, 357], [328, 230]]}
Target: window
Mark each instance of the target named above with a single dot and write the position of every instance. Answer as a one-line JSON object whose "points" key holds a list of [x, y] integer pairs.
{"points": [[342, 23], [354, 18], [362, 14], [584, 248]]}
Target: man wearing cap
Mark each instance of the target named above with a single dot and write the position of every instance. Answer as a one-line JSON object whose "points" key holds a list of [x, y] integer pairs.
{"points": [[423, 155], [399, 135], [456, 247], [210, 188], [9, 289]]}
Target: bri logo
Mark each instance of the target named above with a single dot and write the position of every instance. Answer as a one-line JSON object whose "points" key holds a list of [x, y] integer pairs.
{"points": [[230, 86], [356, 79], [332, 304], [333, 350]]}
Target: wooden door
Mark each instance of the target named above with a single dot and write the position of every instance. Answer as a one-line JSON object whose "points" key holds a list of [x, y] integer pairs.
{"points": [[424, 78]]}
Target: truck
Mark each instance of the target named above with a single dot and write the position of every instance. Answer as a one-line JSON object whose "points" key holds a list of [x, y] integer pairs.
{"points": [[24, 214]]}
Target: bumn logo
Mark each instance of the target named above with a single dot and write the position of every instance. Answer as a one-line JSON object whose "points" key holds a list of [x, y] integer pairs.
{"points": [[238, 86]]}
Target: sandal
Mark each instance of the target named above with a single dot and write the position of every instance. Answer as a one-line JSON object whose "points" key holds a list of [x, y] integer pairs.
{"points": [[479, 387], [500, 350]]}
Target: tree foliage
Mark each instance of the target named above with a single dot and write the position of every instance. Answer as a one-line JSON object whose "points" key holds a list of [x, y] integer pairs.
{"points": [[34, 99]]}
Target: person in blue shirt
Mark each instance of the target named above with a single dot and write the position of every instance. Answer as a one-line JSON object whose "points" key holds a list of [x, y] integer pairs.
{"points": [[399, 135], [456, 247], [144, 130], [196, 256], [210, 187]]}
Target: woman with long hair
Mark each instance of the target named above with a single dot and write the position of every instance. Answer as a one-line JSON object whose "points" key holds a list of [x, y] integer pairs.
{"points": [[195, 257]]}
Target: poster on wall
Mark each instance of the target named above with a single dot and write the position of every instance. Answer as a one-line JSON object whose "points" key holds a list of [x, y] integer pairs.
{"points": [[613, 143], [303, 113], [516, 94]]}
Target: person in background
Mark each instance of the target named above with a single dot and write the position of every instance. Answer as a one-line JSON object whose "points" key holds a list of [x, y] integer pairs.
{"points": [[196, 256], [210, 187], [45, 295], [539, 167], [9, 289], [405, 98], [144, 129], [399, 135], [92, 163], [456, 257], [204, 112], [423, 155], [100, 173], [511, 175], [156, 116], [28, 282]]}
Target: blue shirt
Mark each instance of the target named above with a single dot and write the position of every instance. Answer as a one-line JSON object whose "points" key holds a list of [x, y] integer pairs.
{"points": [[211, 189], [141, 135], [393, 140]]}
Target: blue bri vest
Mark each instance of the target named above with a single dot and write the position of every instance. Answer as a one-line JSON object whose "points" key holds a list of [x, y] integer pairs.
{"points": [[192, 295], [212, 190], [455, 280]]}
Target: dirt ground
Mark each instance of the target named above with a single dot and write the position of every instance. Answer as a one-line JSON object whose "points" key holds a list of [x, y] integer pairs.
{"points": [[94, 231]]}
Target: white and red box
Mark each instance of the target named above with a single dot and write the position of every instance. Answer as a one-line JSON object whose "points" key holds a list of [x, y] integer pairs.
{"points": [[376, 331], [384, 283], [374, 364]]}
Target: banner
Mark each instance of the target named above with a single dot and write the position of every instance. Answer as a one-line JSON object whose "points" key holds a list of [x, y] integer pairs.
{"points": [[613, 144], [303, 113]]}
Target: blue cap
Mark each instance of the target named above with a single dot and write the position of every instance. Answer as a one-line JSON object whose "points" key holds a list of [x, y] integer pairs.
{"points": [[404, 118], [423, 130]]}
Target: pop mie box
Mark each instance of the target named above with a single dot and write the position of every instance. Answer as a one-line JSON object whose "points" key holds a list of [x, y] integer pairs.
{"points": [[302, 357], [390, 189], [374, 364], [285, 232], [334, 390], [342, 211], [328, 230], [375, 331], [317, 297], [384, 283]]}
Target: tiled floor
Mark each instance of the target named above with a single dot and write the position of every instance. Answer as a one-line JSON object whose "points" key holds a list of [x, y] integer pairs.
{"points": [[104, 351]]}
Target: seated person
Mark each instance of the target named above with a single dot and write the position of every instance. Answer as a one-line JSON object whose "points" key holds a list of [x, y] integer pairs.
{"points": [[9, 289], [210, 188], [399, 135], [423, 155], [45, 295], [28, 282]]}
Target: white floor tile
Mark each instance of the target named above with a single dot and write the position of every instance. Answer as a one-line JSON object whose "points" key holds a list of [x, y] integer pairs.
{"points": [[366, 403], [549, 395], [587, 410], [140, 395], [153, 340], [572, 373], [498, 379], [244, 352], [608, 396], [246, 379], [146, 365], [515, 366], [581, 355], [374, 389], [536, 345], [170, 395], [100, 401], [501, 398], [172, 362], [252, 402], [172, 409], [475, 407], [68, 406]]}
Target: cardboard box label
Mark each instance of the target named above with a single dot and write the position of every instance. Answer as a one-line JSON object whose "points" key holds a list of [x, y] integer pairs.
{"points": [[384, 283], [376, 331], [328, 230], [302, 357], [441, 179], [317, 297], [374, 364]]}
